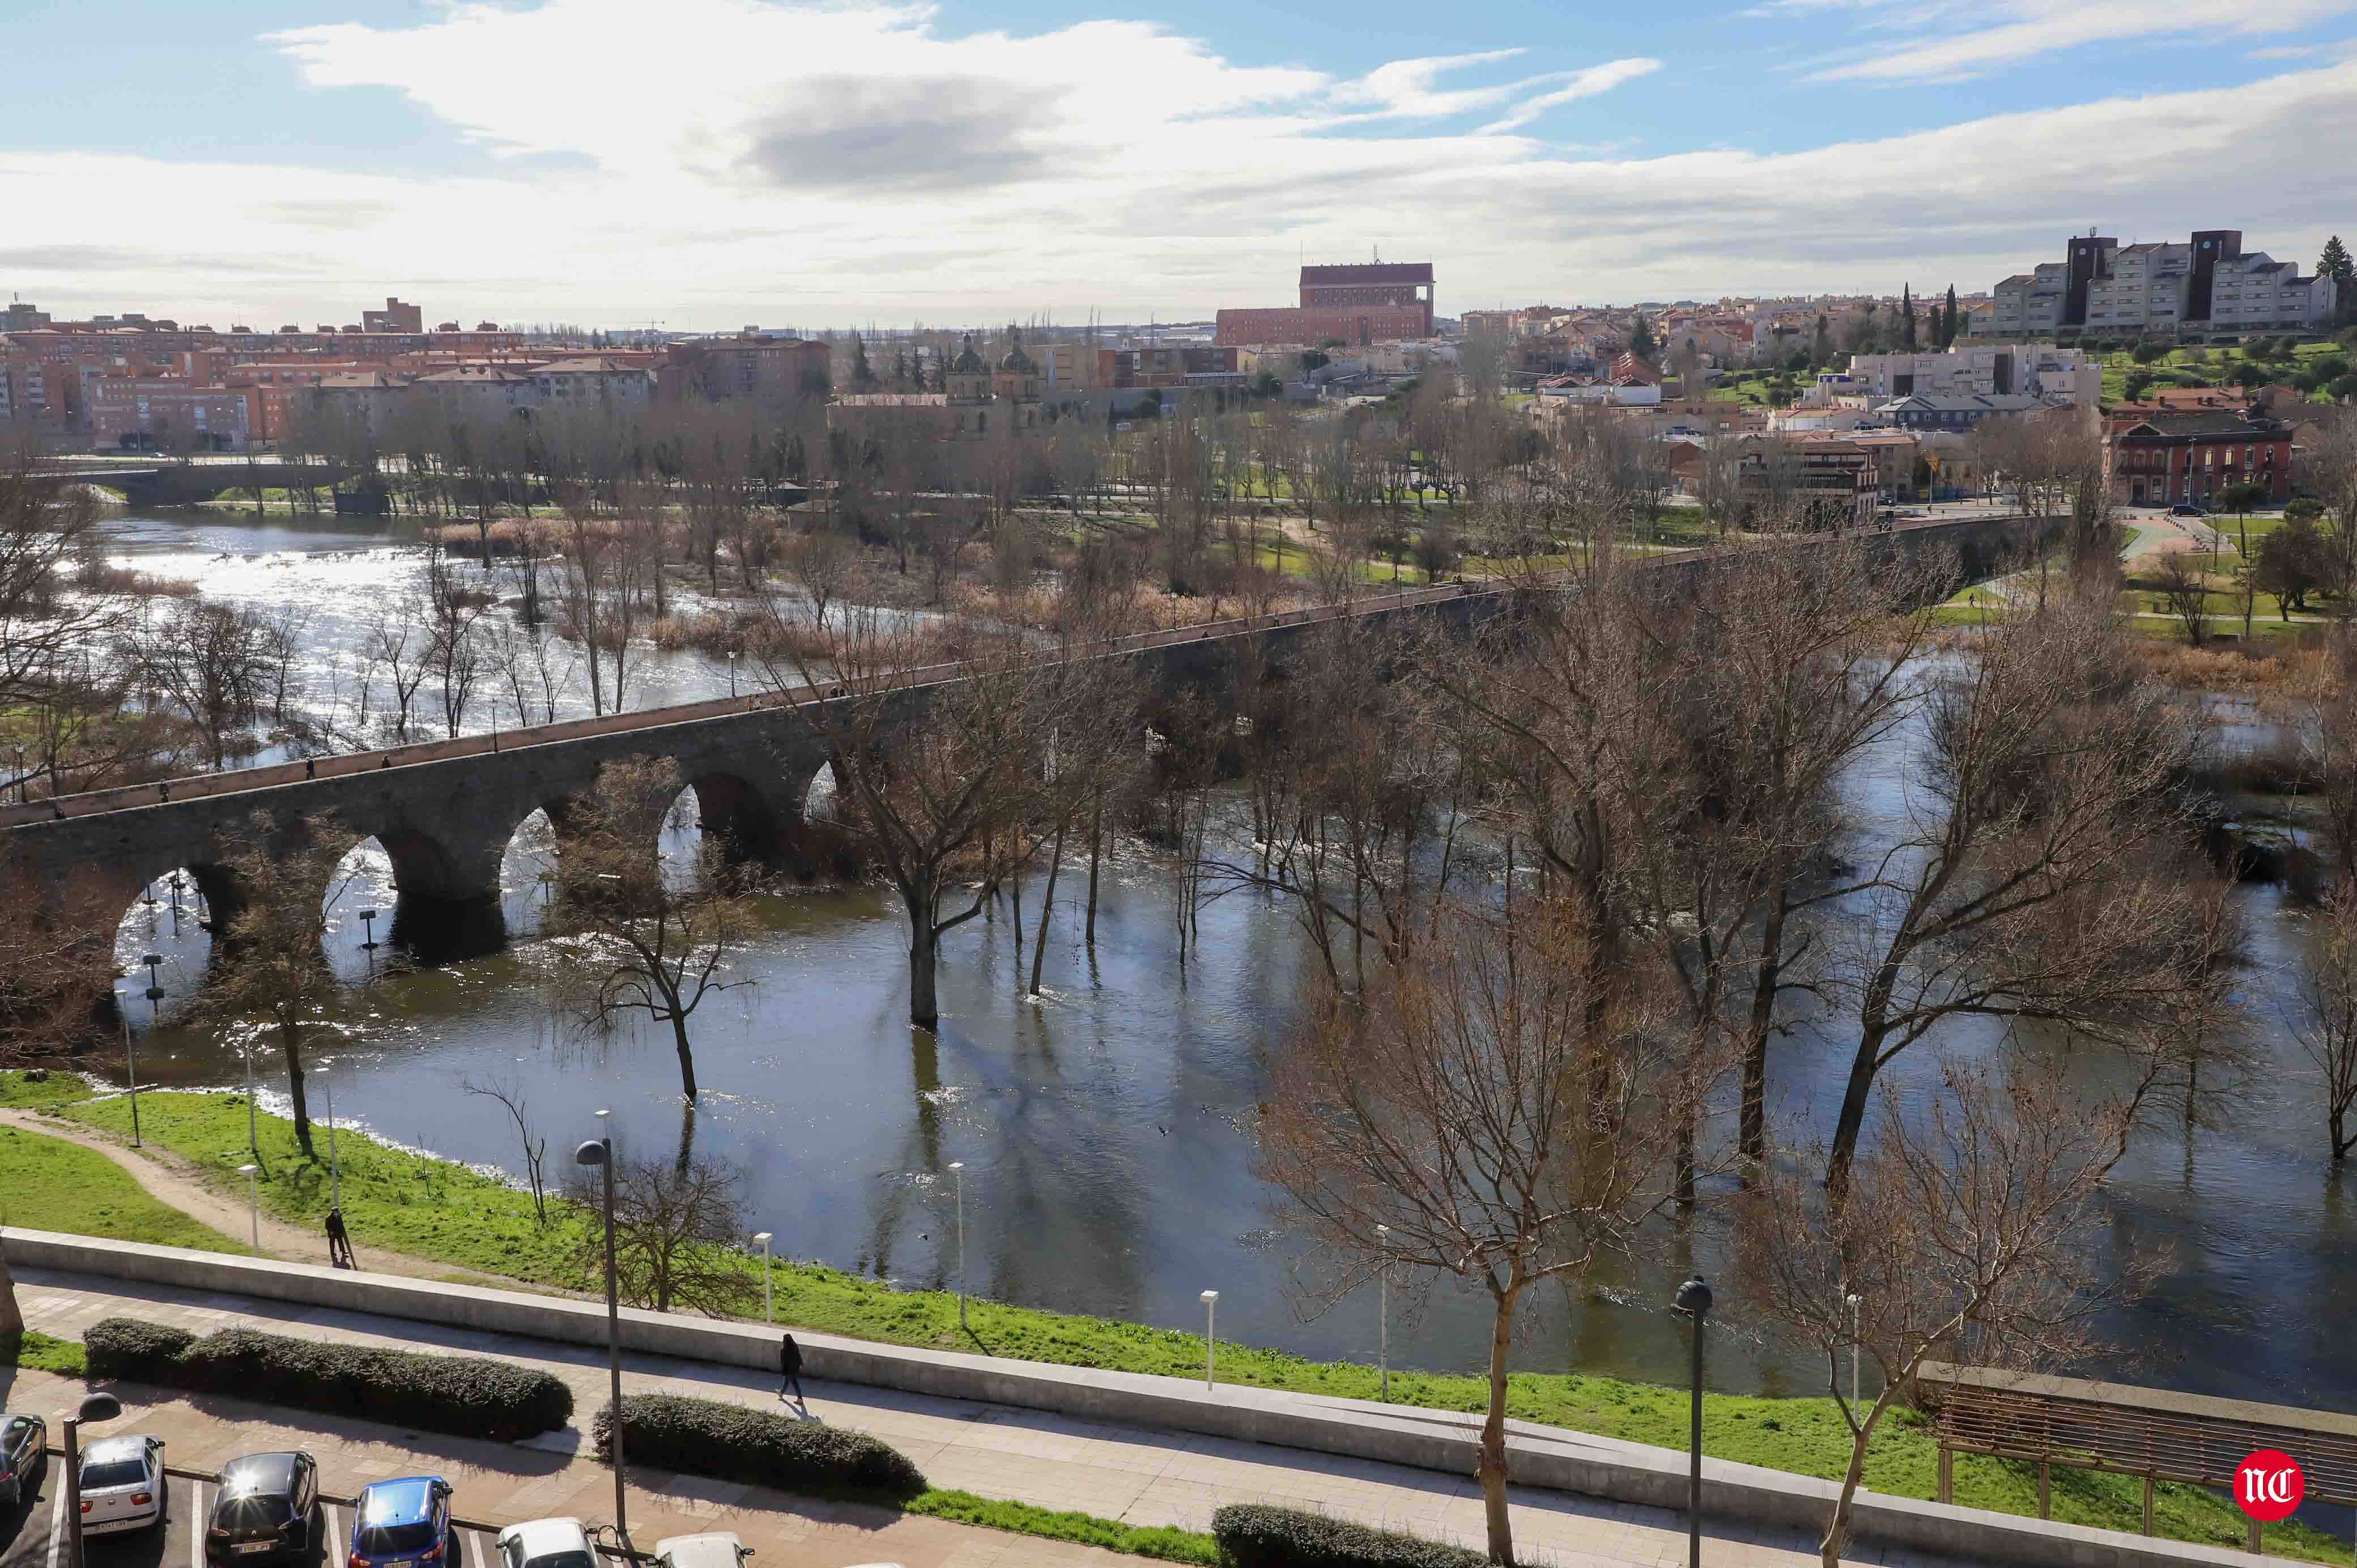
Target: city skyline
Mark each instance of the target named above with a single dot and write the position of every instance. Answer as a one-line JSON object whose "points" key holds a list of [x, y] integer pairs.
{"points": [[831, 166]]}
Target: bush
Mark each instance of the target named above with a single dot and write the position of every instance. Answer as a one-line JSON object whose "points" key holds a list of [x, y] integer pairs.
{"points": [[126, 1348], [466, 1396], [730, 1443], [1251, 1535]]}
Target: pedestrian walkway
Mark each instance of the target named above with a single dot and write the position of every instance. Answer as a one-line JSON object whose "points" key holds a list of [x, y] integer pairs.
{"points": [[1137, 1475]]}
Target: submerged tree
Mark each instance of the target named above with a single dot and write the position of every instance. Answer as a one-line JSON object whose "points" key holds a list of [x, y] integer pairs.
{"points": [[646, 936]]}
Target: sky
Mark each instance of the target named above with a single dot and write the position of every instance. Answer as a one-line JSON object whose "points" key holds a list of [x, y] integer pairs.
{"points": [[701, 165]]}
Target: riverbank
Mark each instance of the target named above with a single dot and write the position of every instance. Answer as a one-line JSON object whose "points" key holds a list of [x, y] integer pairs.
{"points": [[447, 1217]]}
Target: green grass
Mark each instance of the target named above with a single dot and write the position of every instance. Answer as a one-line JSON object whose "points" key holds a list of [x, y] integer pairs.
{"points": [[437, 1210], [41, 1088], [1170, 1545], [37, 1352], [48, 1184]]}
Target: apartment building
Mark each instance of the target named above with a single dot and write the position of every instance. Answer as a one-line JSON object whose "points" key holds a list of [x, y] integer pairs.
{"points": [[2040, 369], [2207, 288], [2195, 454]]}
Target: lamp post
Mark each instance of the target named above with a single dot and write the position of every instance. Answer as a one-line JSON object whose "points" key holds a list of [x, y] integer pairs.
{"points": [[368, 943], [957, 1169], [93, 1407], [1384, 1310], [335, 1166], [253, 1201], [1694, 1300], [599, 1151], [129, 1061], [1211, 1341], [253, 1127], [766, 1314]]}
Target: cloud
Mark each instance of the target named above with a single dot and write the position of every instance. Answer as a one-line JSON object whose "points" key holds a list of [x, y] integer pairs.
{"points": [[1953, 41], [830, 165]]}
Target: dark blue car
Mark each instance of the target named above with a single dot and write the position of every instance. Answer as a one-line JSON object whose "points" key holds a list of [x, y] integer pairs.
{"points": [[402, 1524]]}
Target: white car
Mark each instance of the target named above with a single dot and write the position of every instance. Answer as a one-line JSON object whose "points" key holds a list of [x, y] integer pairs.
{"points": [[546, 1543], [122, 1485], [714, 1549]]}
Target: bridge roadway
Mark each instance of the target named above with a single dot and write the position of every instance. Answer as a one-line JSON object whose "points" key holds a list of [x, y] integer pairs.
{"points": [[446, 809], [184, 484]]}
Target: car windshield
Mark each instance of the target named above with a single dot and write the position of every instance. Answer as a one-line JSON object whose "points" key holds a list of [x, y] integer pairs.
{"points": [[262, 1508], [382, 1540], [560, 1560], [113, 1472]]}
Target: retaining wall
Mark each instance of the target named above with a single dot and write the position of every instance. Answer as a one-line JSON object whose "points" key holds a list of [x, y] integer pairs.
{"points": [[1429, 1440]]}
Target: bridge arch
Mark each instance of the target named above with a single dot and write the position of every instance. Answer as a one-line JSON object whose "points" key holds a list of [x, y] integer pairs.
{"points": [[171, 917]]}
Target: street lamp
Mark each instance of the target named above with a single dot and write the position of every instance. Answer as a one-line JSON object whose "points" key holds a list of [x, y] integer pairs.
{"points": [[599, 1151], [335, 1166], [766, 1314], [1383, 1309], [153, 961], [1694, 1300], [957, 1168], [253, 1129], [253, 1202], [94, 1407], [1211, 1342]]}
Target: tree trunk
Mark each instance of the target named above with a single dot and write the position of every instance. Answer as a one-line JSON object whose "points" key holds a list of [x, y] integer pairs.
{"points": [[924, 948], [1853, 1117], [686, 1055], [2340, 1142], [1046, 905], [1752, 1139], [1096, 855], [1836, 1536], [12, 1316], [289, 1036], [1490, 1471]]}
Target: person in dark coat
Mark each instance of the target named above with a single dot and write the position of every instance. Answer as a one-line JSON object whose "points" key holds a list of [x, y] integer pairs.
{"points": [[339, 1243], [790, 1363]]}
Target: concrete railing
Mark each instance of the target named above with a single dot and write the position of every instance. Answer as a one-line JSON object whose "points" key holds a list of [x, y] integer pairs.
{"points": [[1429, 1440]]}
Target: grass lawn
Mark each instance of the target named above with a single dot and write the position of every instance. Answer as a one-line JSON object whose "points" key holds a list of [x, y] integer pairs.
{"points": [[434, 1210], [48, 1184], [37, 1352], [1168, 1543], [38, 1088]]}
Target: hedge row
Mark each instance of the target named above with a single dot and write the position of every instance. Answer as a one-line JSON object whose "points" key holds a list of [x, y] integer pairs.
{"points": [[731, 1443], [1251, 1535], [466, 1396]]}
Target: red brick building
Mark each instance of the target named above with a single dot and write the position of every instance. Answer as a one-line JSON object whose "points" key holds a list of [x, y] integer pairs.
{"points": [[751, 364], [1378, 302], [2160, 459]]}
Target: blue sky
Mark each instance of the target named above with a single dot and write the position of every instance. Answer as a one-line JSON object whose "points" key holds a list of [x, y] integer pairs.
{"points": [[710, 161]]}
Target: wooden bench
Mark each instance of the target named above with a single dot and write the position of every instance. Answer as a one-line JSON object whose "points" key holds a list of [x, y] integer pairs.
{"points": [[2124, 1430]]}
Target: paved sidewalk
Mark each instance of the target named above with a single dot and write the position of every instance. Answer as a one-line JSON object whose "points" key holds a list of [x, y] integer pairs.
{"points": [[1138, 1476]]}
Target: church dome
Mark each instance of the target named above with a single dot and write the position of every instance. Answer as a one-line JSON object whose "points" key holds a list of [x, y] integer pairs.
{"points": [[968, 362]]}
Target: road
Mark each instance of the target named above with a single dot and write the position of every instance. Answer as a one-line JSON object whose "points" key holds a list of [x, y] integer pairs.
{"points": [[35, 1536]]}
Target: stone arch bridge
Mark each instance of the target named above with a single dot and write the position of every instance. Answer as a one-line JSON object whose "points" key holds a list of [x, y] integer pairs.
{"points": [[444, 811]]}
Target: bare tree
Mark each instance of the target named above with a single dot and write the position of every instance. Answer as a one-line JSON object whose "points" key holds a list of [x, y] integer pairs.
{"points": [[1966, 1232], [675, 1228], [454, 649], [2186, 592], [211, 662], [269, 971], [392, 641], [657, 938], [946, 783], [2040, 860], [1483, 1114], [514, 1099], [2324, 1011]]}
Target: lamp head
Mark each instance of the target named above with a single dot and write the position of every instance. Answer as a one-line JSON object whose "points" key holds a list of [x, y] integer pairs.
{"points": [[99, 1407], [153, 959], [592, 1153], [1210, 1296], [957, 1164], [762, 1237], [247, 1170], [1694, 1297]]}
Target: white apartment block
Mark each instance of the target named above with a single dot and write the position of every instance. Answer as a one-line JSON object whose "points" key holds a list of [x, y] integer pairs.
{"points": [[2039, 370], [2206, 287]]}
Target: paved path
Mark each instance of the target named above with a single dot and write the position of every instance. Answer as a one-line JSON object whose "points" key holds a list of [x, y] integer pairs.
{"points": [[1138, 1476]]}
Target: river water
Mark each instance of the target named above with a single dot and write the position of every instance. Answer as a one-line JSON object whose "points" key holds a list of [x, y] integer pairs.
{"points": [[1104, 1127]]}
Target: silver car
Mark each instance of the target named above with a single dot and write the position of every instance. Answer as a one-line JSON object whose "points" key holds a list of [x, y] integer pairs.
{"points": [[122, 1485], [546, 1543], [714, 1549]]}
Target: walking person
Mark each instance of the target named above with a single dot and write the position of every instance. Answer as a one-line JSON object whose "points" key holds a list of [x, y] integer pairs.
{"points": [[789, 1364], [340, 1244]]}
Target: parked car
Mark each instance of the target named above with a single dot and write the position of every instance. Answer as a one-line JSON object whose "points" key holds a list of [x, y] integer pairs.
{"points": [[714, 1549], [402, 1524], [122, 1485], [24, 1456], [2186, 508], [264, 1510], [546, 1543]]}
